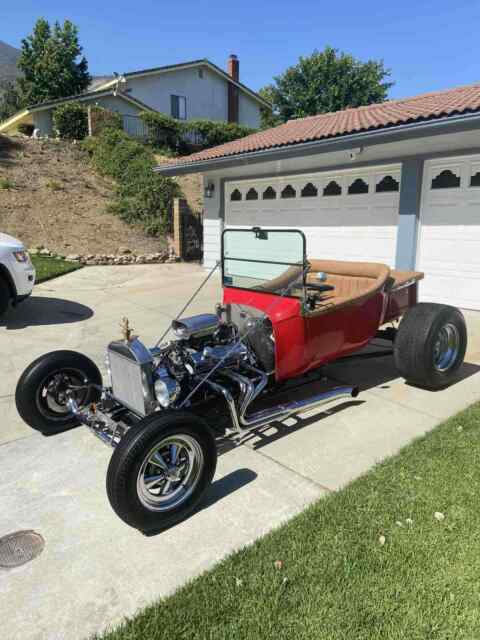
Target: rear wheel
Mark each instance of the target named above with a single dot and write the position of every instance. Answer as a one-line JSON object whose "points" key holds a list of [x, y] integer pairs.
{"points": [[430, 345], [161, 469], [42, 392]]}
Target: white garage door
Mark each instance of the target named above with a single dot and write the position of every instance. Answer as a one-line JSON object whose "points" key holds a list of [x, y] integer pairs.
{"points": [[449, 232], [346, 215]]}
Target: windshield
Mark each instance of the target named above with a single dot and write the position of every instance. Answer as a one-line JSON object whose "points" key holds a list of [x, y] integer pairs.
{"points": [[264, 259]]}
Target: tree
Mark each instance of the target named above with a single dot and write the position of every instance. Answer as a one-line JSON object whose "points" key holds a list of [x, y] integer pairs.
{"points": [[325, 81], [9, 101], [49, 63]]}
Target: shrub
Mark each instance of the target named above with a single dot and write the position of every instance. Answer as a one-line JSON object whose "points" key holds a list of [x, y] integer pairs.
{"points": [[26, 129], [209, 133], [70, 121], [182, 136], [54, 185], [162, 130], [142, 196], [102, 118], [5, 183]]}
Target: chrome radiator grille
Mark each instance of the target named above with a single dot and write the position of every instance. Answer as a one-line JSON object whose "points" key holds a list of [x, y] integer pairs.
{"points": [[131, 379]]}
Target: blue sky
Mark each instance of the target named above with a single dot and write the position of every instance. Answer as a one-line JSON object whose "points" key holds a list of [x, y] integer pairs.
{"points": [[428, 45]]}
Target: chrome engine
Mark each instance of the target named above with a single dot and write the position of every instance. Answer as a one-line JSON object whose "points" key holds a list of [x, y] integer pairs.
{"points": [[230, 354]]}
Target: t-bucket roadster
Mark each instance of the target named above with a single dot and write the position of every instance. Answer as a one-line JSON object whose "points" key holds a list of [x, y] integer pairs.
{"points": [[282, 315]]}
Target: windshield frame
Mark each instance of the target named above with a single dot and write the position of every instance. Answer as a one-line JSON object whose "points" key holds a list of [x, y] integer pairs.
{"points": [[256, 230]]}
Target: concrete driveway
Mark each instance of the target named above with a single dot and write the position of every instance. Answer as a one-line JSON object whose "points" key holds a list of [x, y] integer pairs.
{"points": [[95, 570]]}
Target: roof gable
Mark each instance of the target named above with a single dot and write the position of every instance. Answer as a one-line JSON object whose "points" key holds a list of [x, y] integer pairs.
{"points": [[187, 65]]}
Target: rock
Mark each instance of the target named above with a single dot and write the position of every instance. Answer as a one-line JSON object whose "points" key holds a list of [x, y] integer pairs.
{"points": [[73, 257], [123, 250], [39, 247], [44, 252]]}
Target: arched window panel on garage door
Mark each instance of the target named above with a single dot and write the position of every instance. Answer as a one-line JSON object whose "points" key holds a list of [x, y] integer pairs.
{"points": [[309, 191], [269, 194], [445, 179], [252, 194], [358, 186], [333, 188], [236, 195], [388, 183], [475, 175], [288, 192]]}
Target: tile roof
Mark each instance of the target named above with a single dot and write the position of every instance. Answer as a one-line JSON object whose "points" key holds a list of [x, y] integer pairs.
{"points": [[355, 120]]}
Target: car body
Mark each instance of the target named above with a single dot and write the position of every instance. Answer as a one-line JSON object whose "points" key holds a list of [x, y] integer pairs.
{"points": [[16, 269], [282, 316]]}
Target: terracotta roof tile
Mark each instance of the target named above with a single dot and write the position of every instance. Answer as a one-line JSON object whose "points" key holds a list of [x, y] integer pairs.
{"points": [[327, 125]]}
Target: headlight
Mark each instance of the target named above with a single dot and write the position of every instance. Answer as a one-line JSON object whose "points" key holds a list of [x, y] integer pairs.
{"points": [[166, 391], [21, 256]]}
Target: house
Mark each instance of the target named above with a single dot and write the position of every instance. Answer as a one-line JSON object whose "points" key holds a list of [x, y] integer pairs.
{"points": [[187, 91], [397, 182]]}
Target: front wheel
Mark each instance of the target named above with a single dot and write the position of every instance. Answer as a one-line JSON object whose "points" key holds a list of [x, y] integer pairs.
{"points": [[161, 469], [430, 345], [44, 387]]}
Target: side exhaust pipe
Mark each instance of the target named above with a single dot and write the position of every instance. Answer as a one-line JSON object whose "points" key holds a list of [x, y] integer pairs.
{"points": [[280, 412]]}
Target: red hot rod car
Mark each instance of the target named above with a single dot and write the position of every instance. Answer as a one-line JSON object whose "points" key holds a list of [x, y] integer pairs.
{"points": [[282, 315]]}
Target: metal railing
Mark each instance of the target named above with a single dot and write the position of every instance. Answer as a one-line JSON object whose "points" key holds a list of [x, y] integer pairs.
{"points": [[136, 127]]}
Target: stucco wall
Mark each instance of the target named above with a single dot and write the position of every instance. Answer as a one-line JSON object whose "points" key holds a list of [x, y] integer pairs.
{"points": [[206, 96], [42, 120], [248, 111]]}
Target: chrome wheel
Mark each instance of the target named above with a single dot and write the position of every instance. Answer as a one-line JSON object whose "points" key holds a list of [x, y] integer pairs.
{"points": [[170, 472], [446, 347]]}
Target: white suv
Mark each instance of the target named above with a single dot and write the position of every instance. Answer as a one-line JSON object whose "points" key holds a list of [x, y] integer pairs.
{"points": [[17, 274]]}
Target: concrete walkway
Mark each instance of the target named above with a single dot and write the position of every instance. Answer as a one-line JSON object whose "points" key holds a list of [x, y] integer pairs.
{"points": [[95, 570]]}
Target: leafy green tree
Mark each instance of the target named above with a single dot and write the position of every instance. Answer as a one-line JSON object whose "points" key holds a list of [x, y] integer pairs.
{"points": [[328, 80], [10, 101], [51, 63]]}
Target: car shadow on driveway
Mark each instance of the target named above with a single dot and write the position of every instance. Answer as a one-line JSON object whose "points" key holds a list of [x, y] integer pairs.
{"points": [[40, 311], [218, 490]]}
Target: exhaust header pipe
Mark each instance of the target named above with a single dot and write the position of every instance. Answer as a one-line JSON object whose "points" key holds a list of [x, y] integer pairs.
{"points": [[242, 422]]}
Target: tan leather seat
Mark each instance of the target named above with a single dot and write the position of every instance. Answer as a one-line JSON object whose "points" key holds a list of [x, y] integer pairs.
{"points": [[354, 282], [402, 277], [285, 279]]}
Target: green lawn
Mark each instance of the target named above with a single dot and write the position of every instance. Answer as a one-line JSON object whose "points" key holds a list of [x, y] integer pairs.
{"points": [[48, 268], [337, 579]]}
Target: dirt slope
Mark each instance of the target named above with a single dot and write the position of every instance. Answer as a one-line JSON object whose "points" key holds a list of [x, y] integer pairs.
{"points": [[56, 200]]}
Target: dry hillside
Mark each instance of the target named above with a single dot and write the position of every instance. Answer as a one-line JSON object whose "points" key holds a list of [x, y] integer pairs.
{"points": [[56, 200]]}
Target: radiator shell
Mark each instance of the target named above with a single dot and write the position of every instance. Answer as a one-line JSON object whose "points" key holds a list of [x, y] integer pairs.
{"points": [[131, 372]]}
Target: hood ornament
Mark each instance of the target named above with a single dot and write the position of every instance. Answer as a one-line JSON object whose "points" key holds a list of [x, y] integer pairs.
{"points": [[127, 330]]}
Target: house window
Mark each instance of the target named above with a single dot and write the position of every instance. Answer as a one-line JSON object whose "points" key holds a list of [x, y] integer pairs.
{"points": [[288, 192], [357, 187], [236, 195], [332, 189], [251, 194], [178, 107], [446, 179], [269, 194], [387, 184], [309, 191]]}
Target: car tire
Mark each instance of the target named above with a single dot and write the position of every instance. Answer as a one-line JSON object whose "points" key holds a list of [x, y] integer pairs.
{"points": [[155, 507], [43, 406], [5, 296], [430, 345]]}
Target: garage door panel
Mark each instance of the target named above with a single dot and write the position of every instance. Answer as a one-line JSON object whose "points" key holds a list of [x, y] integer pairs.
{"points": [[342, 226], [449, 235]]}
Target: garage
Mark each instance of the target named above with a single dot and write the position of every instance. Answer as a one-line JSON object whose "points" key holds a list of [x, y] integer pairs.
{"points": [[345, 215], [397, 182], [449, 231]]}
